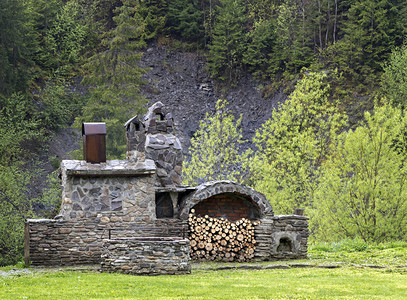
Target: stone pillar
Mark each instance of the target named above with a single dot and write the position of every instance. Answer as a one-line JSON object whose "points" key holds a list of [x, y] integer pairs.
{"points": [[154, 138]]}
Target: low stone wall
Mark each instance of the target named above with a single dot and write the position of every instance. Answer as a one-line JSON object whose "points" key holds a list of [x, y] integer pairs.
{"points": [[146, 256], [50, 242], [54, 243], [281, 237]]}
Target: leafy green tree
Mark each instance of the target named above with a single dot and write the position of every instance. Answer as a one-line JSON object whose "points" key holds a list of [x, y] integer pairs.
{"points": [[16, 129], [215, 150], [115, 77], [362, 192], [228, 41], [394, 78], [294, 143]]}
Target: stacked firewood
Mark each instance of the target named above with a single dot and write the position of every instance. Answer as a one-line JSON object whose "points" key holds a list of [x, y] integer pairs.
{"points": [[220, 239]]}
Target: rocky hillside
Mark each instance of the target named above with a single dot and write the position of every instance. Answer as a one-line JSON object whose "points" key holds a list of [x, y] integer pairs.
{"points": [[179, 80]]}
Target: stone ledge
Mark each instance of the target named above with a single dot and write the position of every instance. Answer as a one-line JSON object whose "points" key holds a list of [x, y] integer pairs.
{"points": [[285, 217], [264, 266], [109, 168], [41, 221]]}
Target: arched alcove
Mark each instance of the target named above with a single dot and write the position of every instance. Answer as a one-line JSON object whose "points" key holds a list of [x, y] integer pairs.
{"points": [[285, 245], [230, 206], [217, 195]]}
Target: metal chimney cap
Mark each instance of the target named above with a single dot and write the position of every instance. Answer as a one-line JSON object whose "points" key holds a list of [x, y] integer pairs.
{"points": [[93, 128]]}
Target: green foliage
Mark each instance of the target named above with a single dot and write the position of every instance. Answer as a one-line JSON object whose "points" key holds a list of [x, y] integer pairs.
{"points": [[294, 143], [16, 47], [65, 40], [21, 133], [228, 42], [115, 77], [293, 51], [57, 106], [42, 14], [51, 196], [346, 245], [154, 15], [362, 190], [260, 50], [351, 252], [261, 10], [185, 19], [394, 78], [16, 128], [216, 149], [368, 38]]}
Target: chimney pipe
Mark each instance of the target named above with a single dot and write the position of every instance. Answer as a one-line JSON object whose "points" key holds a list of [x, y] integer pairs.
{"points": [[94, 142]]}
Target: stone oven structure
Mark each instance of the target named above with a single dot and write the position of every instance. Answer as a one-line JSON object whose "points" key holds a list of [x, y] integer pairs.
{"points": [[142, 197]]}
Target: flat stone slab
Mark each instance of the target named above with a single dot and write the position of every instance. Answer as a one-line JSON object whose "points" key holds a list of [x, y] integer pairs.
{"points": [[265, 267], [109, 168]]}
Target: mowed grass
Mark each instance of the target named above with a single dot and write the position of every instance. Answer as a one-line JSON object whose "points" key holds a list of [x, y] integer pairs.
{"points": [[365, 273], [345, 282], [232, 284]]}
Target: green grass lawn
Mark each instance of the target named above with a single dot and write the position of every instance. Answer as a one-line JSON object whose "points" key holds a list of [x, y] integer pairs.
{"points": [[372, 272]]}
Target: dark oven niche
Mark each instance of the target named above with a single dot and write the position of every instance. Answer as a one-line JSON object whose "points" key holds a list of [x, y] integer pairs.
{"points": [[163, 205]]}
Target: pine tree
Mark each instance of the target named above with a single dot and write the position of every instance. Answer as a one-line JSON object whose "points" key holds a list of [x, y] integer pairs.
{"points": [[154, 13], [261, 49], [228, 41], [292, 51], [367, 42], [185, 19], [65, 39], [115, 77], [43, 14], [16, 47]]}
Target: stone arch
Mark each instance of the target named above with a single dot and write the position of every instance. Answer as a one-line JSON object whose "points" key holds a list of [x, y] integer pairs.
{"points": [[214, 188], [285, 242], [158, 119]]}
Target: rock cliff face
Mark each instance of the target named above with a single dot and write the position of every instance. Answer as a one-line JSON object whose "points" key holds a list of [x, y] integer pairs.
{"points": [[180, 81]]}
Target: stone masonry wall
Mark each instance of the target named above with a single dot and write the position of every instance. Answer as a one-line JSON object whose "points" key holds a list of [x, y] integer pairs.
{"points": [[281, 237], [262, 234], [58, 242], [117, 195], [121, 190], [153, 138], [166, 151], [146, 256], [214, 188], [294, 229]]}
